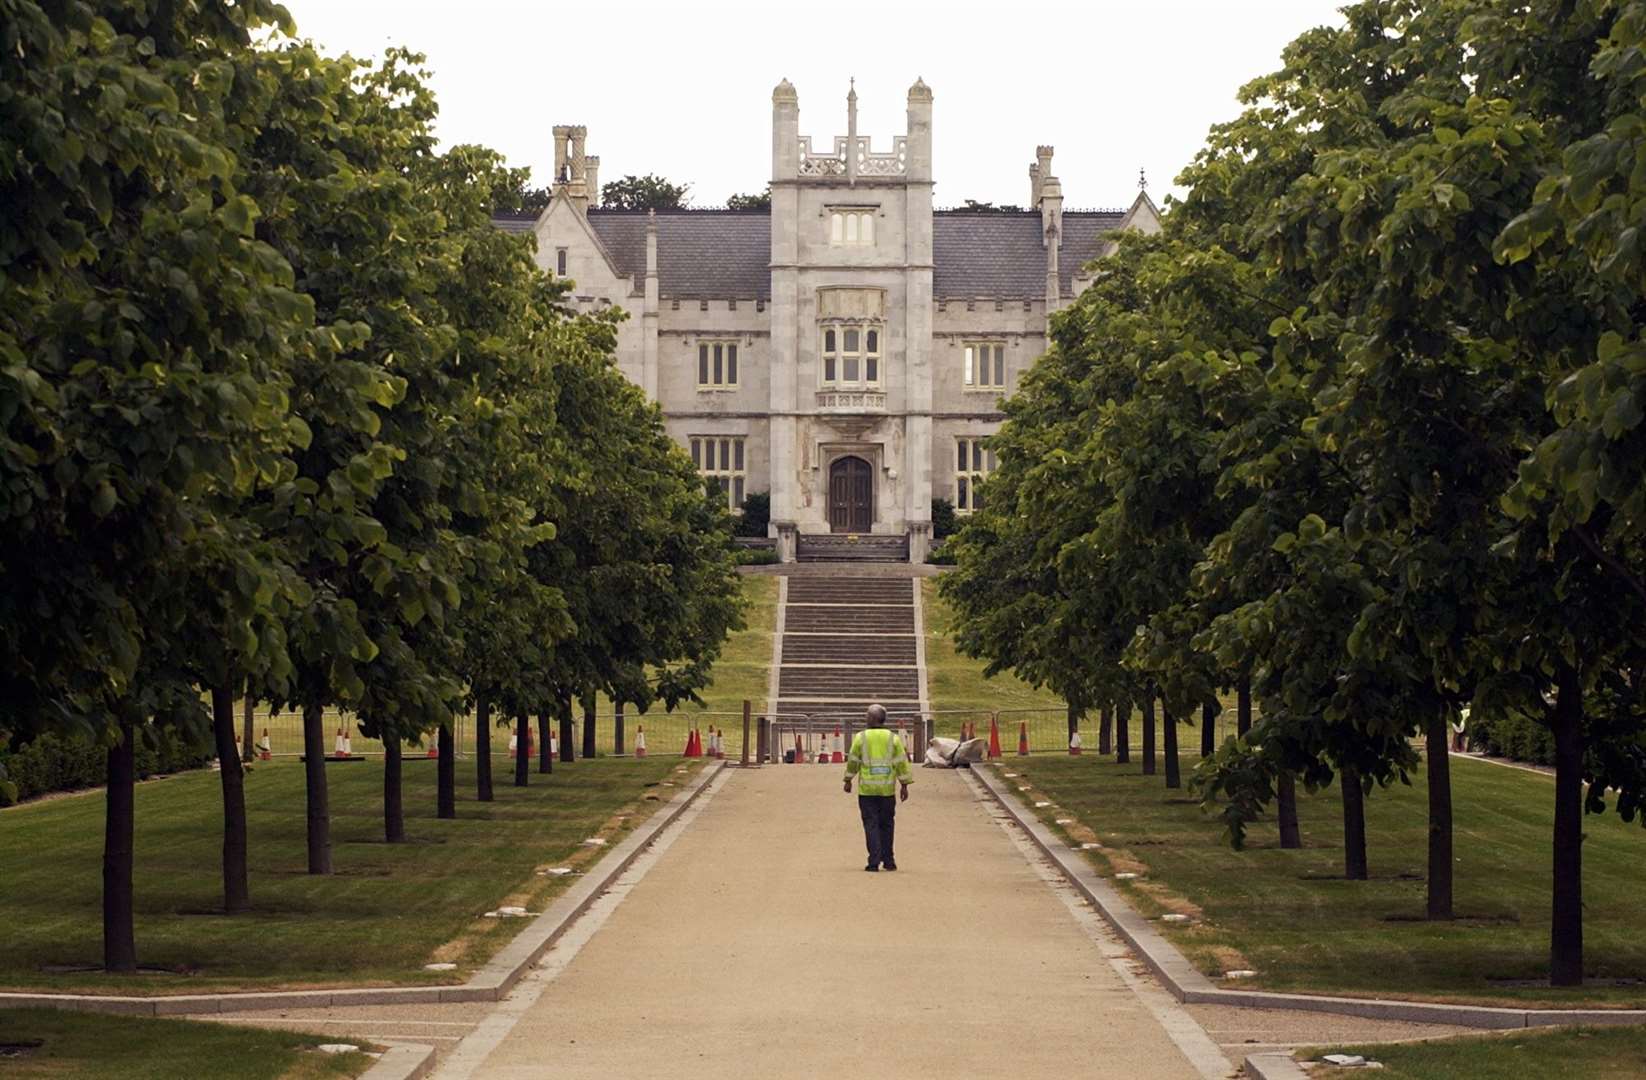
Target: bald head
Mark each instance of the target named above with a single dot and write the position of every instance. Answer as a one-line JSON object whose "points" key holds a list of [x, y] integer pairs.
{"points": [[877, 716]]}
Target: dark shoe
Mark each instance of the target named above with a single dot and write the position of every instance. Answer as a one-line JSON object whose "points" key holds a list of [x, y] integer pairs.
{"points": [[891, 866], [873, 869]]}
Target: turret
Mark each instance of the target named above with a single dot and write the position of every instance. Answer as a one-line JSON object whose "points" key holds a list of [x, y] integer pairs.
{"points": [[785, 132], [920, 131]]}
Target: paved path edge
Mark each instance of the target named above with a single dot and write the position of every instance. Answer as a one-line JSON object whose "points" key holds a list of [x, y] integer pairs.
{"points": [[490, 983], [1273, 1067], [403, 1062], [1190, 986]]}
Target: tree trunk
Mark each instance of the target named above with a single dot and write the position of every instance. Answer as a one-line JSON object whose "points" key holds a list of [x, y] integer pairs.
{"points": [[588, 724], [236, 881], [1566, 922], [1123, 733], [1286, 809], [617, 728], [1148, 735], [545, 759], [1440, 817], [1105, 731], [248, 750], [319, 801], [1174, 778], [119, 936], [1243, 707], [1354, 825], [482, 748], [446, 775], [568, 752], [394, 810], [1208, 728], [522, 755]]}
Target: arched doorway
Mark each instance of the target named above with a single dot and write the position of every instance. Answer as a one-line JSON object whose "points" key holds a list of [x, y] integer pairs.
{"points": [[851, 496]]}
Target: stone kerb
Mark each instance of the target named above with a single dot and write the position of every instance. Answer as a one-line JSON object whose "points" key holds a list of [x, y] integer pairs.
{"points": [[490, 983], [1186, 982]]}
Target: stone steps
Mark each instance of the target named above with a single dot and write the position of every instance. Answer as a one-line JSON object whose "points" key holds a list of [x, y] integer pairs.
{"points": [[841, 619], [848, 648], [851, 547], [849, 642]]}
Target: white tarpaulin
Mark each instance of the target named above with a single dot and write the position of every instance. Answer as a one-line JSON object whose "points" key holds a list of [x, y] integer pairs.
{"points": [[944, 753]]}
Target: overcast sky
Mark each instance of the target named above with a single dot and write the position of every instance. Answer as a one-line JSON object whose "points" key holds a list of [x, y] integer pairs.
{"points": [[683, 89]]}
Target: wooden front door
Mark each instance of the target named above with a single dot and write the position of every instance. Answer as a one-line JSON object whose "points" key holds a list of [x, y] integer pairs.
{"points": [[851, 496]]}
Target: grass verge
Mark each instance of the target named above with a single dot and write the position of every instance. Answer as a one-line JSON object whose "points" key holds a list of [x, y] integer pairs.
{"points": [[1592, 1053], [739, 674], [385, 913], [40, 1043], [1291, 917]]}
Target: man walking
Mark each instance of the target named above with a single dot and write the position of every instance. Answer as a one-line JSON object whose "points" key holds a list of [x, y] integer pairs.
{"points": [[880, 763]]}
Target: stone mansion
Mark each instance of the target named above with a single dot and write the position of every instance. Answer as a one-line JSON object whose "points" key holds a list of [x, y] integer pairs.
{"points": [[845, 351]]}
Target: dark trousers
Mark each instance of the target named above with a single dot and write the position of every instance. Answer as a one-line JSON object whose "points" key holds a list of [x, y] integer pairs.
{"points": [[878, 812]]}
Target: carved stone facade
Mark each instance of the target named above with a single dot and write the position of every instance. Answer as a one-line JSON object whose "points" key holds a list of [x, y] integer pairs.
{"points": [[846, 350]]}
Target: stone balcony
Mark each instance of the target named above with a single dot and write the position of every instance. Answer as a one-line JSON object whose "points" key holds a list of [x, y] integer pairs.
{"points": [[851, 401]]}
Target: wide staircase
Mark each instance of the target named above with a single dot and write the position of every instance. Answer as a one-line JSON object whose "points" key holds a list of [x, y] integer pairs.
{"points": [[849, 642], [851, 547]]}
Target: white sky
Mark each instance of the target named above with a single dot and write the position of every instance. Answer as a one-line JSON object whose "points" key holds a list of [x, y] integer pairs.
{"points": [[684, 89]]}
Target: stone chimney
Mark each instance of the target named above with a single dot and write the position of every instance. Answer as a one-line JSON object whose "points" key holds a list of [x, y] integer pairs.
{"points": [[570, 165], [919, 131], [591, 170], [785, 132]]}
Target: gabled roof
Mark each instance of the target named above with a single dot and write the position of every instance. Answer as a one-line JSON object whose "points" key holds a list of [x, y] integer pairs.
{"points": [[701, 254], [1001, 253], [726, 254]]}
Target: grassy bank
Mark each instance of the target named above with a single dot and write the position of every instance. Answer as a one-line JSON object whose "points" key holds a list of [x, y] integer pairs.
{"points": [[42, 1043], [1592, 1053], [386, 912], [1291, 917], [740, 673]]}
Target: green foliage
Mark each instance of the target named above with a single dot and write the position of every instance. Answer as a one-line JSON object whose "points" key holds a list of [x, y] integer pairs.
{"points": [[989, 207], [649, 192], [759, 201], [757, 514], [757, 556], [943, 518], [52, 763], [1513, 735]]}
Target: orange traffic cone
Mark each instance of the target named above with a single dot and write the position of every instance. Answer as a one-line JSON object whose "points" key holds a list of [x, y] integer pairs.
{"points": [[348, 745], [799, 751], [1023, 737], [839, 755], [1074, 744], [720, 743], [337, 745], [264, 749], [434, 748], [994, 738], [640, 741]]}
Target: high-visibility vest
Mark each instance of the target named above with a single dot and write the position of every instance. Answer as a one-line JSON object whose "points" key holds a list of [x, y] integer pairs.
{"points": [[878, 760]]}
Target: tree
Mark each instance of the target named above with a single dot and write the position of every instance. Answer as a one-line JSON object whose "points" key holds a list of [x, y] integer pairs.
{"points": [[143, 330], [649, 192], [758, 201]]}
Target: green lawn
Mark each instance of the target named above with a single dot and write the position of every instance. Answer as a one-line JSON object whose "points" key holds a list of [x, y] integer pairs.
{"points": [[1290, 916], [958, 691], [387, 911], [1593, 1053], [50, 1043], [740, 673]]}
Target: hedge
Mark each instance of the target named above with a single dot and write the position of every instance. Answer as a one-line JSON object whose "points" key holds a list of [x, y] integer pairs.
{"points": [[1516, 737], [51, 763]]}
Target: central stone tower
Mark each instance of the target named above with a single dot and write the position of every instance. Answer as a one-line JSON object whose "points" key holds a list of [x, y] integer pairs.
{"points": [[851, 330]]}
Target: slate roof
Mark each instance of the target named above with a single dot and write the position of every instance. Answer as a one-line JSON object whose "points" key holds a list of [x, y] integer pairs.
{"points": [[701, 254], [1001, 255], [726, 254]]}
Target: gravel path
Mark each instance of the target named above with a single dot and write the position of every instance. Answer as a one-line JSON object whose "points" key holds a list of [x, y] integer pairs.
{"points": [[755, 945]]}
